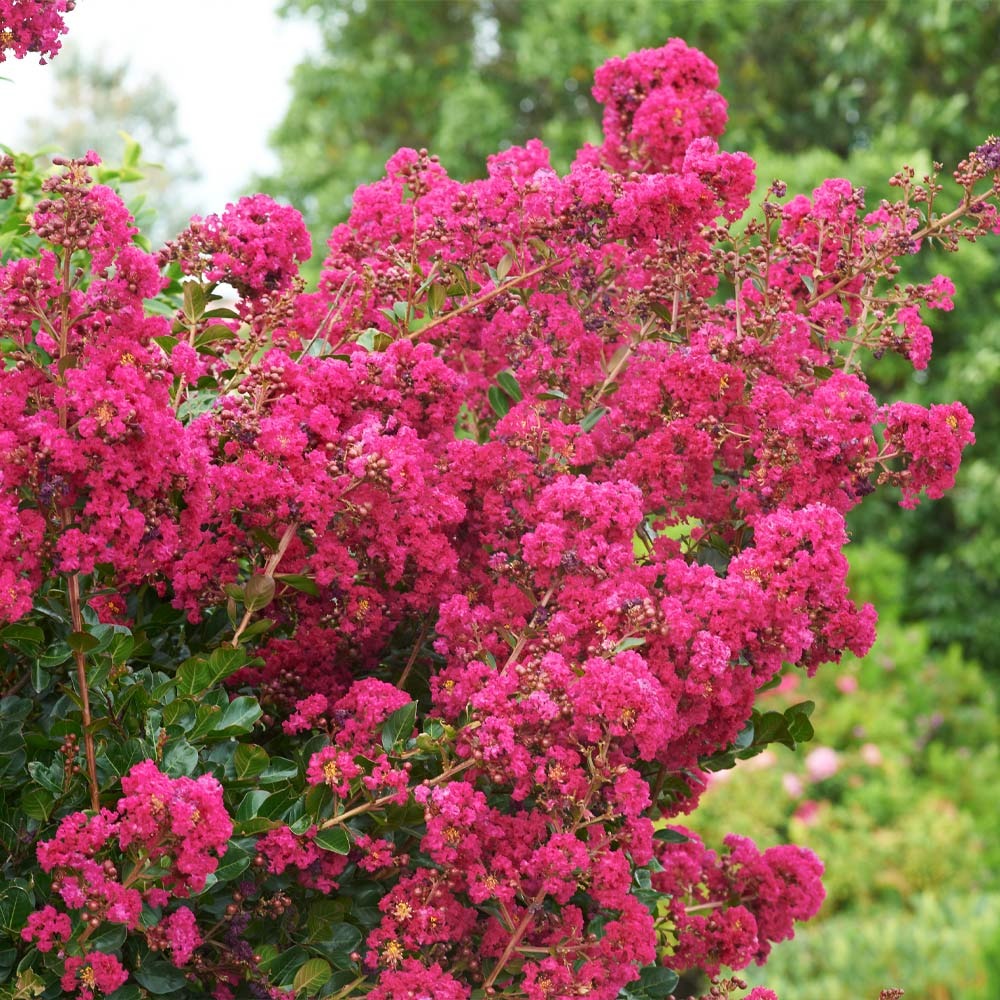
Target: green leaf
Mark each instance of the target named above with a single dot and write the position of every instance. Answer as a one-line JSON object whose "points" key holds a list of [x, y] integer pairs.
{"points": [[657, 982], [745, 737], [670, 837], [37, 803], [167, 343], [127, 992], [374, 340], [339, 941], [279, 769], [249, 761], [238, 717], [499, 401], [199, 674], [399, 725], [81, 642], [335, 839], [508, 383], [159, 977], [257, 628], [632, 642], [251, 804], [435, 298], [258, 592], [312, 976], [279, 968], [797, 718], [49, 777], [39, 676], [16, 902], [235, 861], [212, 335], [180, 759], [590, 420], [194, 301], [24, 638], [299, 582], [109, 938], [503, 267]]}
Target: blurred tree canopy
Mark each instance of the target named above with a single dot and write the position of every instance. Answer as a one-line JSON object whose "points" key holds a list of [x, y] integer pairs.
{"points": [[466, 77], [815, 89], [101, 106]]}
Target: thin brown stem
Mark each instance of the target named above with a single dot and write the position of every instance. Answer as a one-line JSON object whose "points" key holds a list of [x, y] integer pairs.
{"points": [[417, 646], [269, 570], [523, 638], [515, 940], [81, 675], [485, 297], [341, 818]]}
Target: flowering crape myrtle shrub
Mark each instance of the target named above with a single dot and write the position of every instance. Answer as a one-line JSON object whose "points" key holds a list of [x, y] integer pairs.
{"points": [[375, 641]]}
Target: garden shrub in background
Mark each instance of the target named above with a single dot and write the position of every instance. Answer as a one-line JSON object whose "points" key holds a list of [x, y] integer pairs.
{"points": [[895, 796], [373, 641]]}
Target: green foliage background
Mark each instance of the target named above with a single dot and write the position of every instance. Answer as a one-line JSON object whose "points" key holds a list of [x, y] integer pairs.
{"points": [[816, 89]]}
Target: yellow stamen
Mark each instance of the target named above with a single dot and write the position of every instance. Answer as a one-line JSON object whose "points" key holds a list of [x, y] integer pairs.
{"points": [[392, 954]]}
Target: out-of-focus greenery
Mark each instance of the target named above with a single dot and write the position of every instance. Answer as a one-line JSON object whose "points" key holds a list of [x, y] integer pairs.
{"points": [[466, 77], [838, 88], [906, 823]]}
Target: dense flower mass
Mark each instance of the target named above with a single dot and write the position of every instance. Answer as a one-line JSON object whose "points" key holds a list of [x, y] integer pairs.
{"points": [[537, 492]]}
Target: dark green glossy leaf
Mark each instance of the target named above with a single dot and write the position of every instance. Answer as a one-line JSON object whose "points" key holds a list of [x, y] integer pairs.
{"points": [[670, 837], [499, 401], [335, 839], [508, 383], [399, 725], [180, 759], [589, 422], [238, 717], [159, 977]]}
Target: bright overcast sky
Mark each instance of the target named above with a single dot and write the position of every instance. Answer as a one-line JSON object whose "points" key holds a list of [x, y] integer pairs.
{"points": [[227, 63]]}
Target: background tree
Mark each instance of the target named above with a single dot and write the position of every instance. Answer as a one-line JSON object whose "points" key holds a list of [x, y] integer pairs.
{"points": [[95, 103], [815, 89]]}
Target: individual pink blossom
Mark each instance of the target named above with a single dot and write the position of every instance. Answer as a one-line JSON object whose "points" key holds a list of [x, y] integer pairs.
{"points": [[847, 684], [47, 927], [807, 812], [182, 934], [93, 971], [792, 785], [822, 763]]}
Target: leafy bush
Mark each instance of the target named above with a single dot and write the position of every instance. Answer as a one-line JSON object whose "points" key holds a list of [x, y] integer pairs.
{"points": [[373, 641], [904, 819]]}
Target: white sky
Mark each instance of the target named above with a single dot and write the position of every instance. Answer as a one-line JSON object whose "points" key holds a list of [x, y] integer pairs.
{"points": [[227, 63]]}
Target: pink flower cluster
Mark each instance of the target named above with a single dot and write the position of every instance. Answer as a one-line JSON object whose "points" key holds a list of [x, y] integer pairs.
{"points": [[93, 971], [162, 840], [93, 453], [255, 246], [729, 910], [32, 26]]}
